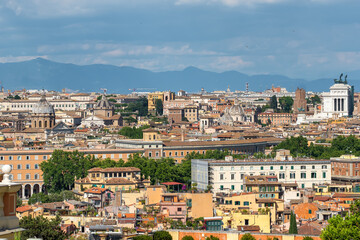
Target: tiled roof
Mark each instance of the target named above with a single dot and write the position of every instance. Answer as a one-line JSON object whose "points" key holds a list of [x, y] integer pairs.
{"points": [[118, 181], [95, 190], [23, 208]]}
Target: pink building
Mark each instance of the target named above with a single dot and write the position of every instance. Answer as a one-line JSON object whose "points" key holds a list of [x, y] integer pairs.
{"points": [[173, 207]]}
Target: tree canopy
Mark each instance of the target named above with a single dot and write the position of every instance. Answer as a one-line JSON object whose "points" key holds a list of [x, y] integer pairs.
{"points": [[159, 107], [343, 228], [341, 145], [162, 235], [40, 227], [248, 236], [274, 103], [60, 170], [133, 132], [52, 197], [286, 104]]}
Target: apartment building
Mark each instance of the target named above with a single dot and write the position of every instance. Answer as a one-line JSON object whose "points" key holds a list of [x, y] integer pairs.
{"points": [[229, 175], [345, 168]]}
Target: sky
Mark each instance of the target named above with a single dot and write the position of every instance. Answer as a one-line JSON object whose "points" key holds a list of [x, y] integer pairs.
{"points": [[298, 38]]}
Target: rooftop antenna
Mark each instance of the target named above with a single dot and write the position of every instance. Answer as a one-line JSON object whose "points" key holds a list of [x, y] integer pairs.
{"points": [[247, 87]]}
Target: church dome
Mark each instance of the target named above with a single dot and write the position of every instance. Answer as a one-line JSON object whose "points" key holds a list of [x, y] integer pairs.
{"points": [[103, 103], [43, 107], [236, 110]]}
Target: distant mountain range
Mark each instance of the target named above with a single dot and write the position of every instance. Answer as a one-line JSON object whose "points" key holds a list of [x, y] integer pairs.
{"points": [[41, 73]]}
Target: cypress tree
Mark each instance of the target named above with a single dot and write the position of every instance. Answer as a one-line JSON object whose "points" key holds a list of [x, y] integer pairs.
{"points": [[293, 226]]}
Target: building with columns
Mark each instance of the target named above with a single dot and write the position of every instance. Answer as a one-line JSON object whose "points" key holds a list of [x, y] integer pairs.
{"points": [[339, 101]]}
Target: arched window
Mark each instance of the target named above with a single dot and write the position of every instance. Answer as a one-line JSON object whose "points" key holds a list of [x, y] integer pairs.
{"points": [[34, 124], [45, 124], [40, 124]]}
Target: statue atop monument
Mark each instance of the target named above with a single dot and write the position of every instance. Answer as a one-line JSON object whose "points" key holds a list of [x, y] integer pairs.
{"points": [[340, 79]]}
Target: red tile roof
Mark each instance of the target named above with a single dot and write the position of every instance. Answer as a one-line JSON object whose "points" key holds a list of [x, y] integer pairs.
{"points": [[24, 208], [95, 190]]}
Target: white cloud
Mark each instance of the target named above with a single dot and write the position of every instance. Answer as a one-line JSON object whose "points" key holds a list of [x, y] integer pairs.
{"points": [[230, 3], [230, 63], [153, 50], [8, 59]]}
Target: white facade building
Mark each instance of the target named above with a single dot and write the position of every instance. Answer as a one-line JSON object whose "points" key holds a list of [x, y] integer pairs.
{"points": [[339, 101], [227, 176]]}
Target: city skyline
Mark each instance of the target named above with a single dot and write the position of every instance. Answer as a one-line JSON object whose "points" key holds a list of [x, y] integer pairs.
{"points": [[307, 39]]}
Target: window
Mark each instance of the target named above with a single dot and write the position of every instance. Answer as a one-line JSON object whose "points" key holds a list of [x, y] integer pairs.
{"points": [[303, 167], [221, 168], [44, 157], [323, 167], [27, 176], [106, 175], [10, 157], [313, 175], [303, 185], [19, 176], [282, 175], [303, 175], [232, 168], [281, 167], [324, 174], [246, 203], [179, 209], [292, 175], [36, 176], [18, 157], [292, 167], [221, 176], [232, 176], [271, 168], [19, 166], [313, 167], [27, 166], [1, 157], [221, 187], [310, 211], [261, 168], [237, 202], [27, 157], [232, 187], [36, 157]]}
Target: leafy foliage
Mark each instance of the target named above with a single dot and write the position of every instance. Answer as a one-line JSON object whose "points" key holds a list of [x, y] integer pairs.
{"points": [[60, 170], [52, 197], [187, 238], [41, 227], [211, 238], [286, 104], [344, 228], [308, 238], [142, 237], [298, 147], [274, 103], [247, 236], [162, 235], [140, 106], [159, 107], [133, 133]]}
